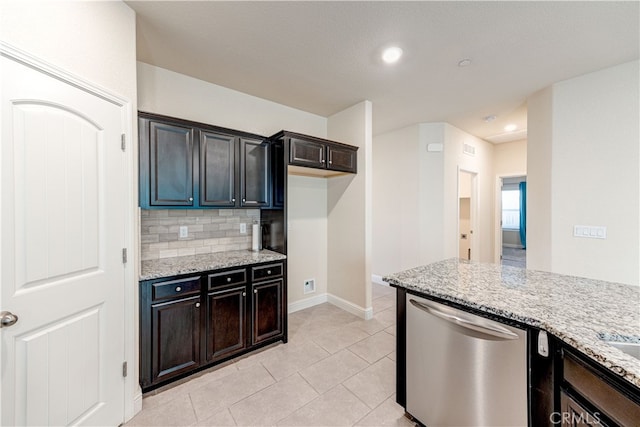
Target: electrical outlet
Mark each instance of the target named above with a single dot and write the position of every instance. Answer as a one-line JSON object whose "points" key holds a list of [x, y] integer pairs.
{"points": [[309, 286], [243, 228], [184, 231]]}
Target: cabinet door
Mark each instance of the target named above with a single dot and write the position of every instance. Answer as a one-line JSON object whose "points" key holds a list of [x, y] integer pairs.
{"points": [[342, 159], [306, 153], [170, 164], [175, 340], [225, 324], [279, 174], [254, 173], [217, 169], [267, 311]]}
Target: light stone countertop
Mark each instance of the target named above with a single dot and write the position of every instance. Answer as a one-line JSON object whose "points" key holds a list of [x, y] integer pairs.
{"points": [[167, 267], [576, 310]]}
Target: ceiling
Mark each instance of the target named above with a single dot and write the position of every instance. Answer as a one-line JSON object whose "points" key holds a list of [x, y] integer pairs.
{"points": [[323, 57]]}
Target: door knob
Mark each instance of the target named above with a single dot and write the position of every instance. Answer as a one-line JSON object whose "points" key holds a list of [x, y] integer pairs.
{"points": [[7, 319]]}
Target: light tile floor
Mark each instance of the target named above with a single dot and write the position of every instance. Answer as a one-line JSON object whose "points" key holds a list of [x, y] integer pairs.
{"points": [[336, 370]]}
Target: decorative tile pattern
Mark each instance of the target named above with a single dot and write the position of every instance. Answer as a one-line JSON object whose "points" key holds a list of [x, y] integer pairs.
{"points": [[167, 267], [579, 311], [210, 231]]}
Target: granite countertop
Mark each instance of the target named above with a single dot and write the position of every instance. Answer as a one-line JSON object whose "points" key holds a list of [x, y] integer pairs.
{"points": [[580, 312], [167, 267]]}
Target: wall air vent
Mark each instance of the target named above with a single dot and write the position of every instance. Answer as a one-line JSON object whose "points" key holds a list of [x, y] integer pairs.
{"points": [[469, 149]]}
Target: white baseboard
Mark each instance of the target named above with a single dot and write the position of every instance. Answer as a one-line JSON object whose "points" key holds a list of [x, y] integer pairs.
{"points": [[307, 302], [137, 403], [377, 279], [352, 308], [510, 245], [332, 299]]}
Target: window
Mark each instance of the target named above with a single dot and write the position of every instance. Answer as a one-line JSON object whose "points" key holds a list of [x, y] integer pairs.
{"points": [[511, 209]]}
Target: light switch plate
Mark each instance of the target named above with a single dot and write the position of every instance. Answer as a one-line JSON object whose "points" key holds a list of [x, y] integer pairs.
{"points": [[590, 231], [184, 231]]}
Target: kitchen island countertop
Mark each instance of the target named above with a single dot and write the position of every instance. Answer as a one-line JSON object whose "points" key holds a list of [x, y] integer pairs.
{"points": [[167, 267], [581, 312]]}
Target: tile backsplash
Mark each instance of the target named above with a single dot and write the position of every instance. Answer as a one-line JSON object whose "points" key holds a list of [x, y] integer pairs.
{"points": [[209, 230]]}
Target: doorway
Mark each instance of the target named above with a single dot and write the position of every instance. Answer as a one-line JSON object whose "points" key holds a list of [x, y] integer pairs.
{"points": [[513, 243], [467, 202]]}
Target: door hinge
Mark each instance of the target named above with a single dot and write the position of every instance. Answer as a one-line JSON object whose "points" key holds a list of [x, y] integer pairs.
{"points": [[124, 255], [123, 142], [124, 369]]}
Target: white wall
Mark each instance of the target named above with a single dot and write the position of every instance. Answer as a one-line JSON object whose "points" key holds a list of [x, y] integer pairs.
{"points": [[539, 179], [307, 237], [510, 158], [395, 205], [349, 205], [416, 196], [95, 41], [595, 176], [166, 92], [481, 164]]}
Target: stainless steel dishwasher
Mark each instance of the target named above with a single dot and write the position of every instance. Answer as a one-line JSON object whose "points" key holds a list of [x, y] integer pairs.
{"points": [[463, 369]]}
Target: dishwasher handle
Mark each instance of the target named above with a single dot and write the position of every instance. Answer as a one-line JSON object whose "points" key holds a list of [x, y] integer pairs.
{"points": [[488, 327]]}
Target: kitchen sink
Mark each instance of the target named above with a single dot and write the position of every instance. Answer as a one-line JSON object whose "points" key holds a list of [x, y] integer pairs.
{"points": [[630, 348]]}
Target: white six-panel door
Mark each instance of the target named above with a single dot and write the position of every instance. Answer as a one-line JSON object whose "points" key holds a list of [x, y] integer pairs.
{"points": [[62, 206]]}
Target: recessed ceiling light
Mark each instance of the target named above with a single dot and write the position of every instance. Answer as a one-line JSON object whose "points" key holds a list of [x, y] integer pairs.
{"points": [[391, 54], [489, 119], [510, 128], [464, 62]]}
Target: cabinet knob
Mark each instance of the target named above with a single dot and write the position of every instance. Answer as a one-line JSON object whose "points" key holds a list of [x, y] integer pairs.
{"points": [[244, 200], [244, 294], [228, 279], [330, 161], [255, 291], [268, 271], [197, 305], [191, 199], [233, 200], [178, 289]]}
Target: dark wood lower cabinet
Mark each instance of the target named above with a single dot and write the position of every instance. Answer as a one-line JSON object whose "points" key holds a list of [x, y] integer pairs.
{"points": [[267, 311], [175, 337], [226, 326], [190, 323]]}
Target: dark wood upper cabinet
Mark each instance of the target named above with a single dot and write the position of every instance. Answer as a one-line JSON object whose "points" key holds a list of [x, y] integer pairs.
{"points": [[325, 156], [186, 164], [169, 159], [307, 153], [217, 169], [278, 175], [341, 159], [254, 173]]}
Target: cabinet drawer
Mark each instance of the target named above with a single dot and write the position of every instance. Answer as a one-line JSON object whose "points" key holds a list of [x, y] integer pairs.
{"points": [[266, 272], [234, 277], [175, 288], [609, 400]]}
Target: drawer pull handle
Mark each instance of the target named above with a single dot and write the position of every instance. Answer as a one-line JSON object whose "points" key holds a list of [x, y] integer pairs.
{"points": [[228, 279], [268, 271], [178, 289], [197, 305]]}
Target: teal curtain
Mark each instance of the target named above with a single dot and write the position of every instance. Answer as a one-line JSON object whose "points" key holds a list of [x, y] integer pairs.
{"points": [[523, 214]]}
